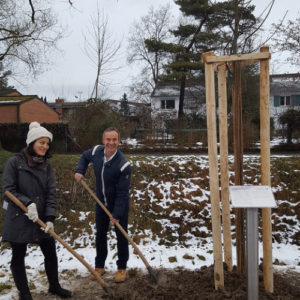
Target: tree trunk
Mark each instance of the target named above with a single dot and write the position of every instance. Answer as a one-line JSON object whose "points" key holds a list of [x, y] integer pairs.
{"points": [[181, 101], [238, 163]]}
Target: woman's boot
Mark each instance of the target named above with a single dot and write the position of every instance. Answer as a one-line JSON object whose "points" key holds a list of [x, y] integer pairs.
{"points": [[20, 278]]}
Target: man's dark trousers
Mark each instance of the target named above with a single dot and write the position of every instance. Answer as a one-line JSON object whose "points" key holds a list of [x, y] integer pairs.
{"points": [[102, 224]]}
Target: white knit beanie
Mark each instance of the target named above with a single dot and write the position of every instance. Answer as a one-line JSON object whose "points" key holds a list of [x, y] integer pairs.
{"points": [[37, 131]]}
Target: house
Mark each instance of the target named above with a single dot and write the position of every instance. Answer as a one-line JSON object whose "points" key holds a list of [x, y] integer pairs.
{"points": [[165, 101], [25, 109], [284, 94], [66, 109], [134, 108]]}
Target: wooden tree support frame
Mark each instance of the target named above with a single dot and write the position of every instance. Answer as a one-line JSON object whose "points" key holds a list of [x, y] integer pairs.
{"points": [[213, 63]]}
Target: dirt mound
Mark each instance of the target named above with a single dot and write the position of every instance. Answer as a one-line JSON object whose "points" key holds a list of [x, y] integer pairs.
{"points": [[199, 284], [181, 284]]}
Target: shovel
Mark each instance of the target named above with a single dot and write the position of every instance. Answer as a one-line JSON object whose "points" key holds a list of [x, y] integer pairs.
{"points": [[152, 275], [55, 236]]}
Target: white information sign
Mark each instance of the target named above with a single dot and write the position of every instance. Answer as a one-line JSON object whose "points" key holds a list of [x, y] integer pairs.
{"points": [[251, 196]]}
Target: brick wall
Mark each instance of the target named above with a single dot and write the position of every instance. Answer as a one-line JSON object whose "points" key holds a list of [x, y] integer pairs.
{"points": [[35, 110], [8, 113]]}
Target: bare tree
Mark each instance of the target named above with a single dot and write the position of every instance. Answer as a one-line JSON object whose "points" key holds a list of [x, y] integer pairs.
{"points": [[287, 38], [26, 37], [153, 26], [101, 49]]}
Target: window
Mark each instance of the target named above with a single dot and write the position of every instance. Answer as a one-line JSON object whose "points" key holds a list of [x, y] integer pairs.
{"points": [[167, 104], [282, 100]]}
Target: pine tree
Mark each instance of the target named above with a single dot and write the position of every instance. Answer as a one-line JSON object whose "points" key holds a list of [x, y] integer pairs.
{"points": [[215, 27], [124, 110]]}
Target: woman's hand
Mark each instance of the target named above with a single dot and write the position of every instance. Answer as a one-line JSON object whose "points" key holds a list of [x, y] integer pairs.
{"points": [[49, 225], [32, 213]]}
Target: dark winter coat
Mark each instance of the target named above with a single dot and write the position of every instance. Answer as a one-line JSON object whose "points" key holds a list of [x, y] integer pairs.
{"points": [[112, 179], [28, 185]]}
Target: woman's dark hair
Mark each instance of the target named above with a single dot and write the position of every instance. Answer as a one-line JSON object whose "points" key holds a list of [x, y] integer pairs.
{"points": [[32, 152]]}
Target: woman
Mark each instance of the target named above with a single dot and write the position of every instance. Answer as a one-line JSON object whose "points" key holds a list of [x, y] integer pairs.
{"points": [[29, 176]]}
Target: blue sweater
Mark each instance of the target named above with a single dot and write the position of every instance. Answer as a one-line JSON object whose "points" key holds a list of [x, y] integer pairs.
{"points": [[112, 179]]}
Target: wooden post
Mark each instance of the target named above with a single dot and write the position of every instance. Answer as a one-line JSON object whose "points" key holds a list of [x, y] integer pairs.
{"points": [[213, 172], [265, 169], [223, 133], [238, 163]]}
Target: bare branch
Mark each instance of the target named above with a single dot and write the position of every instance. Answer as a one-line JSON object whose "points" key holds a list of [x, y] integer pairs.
{"points": [[101, 49], [260, 25], [24, 40], [277, 28], [32, 11]]}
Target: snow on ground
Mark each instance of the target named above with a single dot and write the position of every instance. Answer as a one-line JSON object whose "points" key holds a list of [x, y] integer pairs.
{"points": [[278, 141], [194, 254], [157, 256]]}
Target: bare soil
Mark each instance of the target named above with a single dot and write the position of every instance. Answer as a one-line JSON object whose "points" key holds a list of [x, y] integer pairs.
{"points": [[180, 284]]}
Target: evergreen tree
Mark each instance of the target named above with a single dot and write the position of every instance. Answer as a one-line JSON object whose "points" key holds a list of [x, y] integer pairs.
{"points": [[4, 77], [223, 27], [124, 110], [290, 119]]}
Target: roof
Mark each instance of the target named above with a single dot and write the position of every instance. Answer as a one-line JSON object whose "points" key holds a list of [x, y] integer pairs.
{"points": [[285, 84], [4, 100], [67, 104], [118, 102], [174, 91], [7, 91]]}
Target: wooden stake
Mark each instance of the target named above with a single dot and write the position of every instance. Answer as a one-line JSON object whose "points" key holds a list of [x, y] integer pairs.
{"points": [[223, 132], [265, 169], [213, 173], [236, 57]]}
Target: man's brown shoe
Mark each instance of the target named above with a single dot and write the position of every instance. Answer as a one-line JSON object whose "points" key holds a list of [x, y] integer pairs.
{"points": [[120, 275], [99, 271]]}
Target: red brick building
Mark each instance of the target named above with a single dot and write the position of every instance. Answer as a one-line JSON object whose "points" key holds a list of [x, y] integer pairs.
{"points": [[25, 109]]}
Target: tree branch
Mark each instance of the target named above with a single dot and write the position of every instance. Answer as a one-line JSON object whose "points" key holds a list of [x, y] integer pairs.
{"points": [[32, 11]]}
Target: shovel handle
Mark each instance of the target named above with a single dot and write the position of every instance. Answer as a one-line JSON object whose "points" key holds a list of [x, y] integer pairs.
{"points": [[55, 236], [119, 227]]}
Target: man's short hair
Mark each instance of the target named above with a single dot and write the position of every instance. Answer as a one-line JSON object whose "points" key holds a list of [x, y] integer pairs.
{"points": [[112, 129]]}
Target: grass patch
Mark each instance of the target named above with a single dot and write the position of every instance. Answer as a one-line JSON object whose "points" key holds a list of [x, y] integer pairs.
{"points": [[172, 259], [169, 196], [4, 286]]}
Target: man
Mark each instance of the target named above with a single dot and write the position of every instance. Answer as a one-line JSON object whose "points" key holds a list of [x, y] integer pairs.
{"points": [[112, 172]]}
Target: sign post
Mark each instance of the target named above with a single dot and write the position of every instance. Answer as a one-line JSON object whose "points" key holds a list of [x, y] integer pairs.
{"points": [[252, 198]]}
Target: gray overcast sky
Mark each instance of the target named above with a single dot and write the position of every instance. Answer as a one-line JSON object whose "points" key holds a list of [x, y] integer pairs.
{"points": [[72, 73]]}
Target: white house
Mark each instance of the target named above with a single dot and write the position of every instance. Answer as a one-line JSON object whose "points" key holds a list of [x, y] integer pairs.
{"points": [[165, 101], [284, 94]]}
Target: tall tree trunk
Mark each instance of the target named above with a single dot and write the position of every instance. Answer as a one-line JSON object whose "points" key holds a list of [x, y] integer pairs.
{"points": [[183, 78], [181, 101]]}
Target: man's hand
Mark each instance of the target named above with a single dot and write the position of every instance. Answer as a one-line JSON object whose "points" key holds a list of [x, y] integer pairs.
{"points": [[32, 213], [78, 177], [114, 221]]}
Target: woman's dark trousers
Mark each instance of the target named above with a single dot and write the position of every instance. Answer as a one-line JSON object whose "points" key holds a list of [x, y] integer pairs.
{"points": [[18, 264]]}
